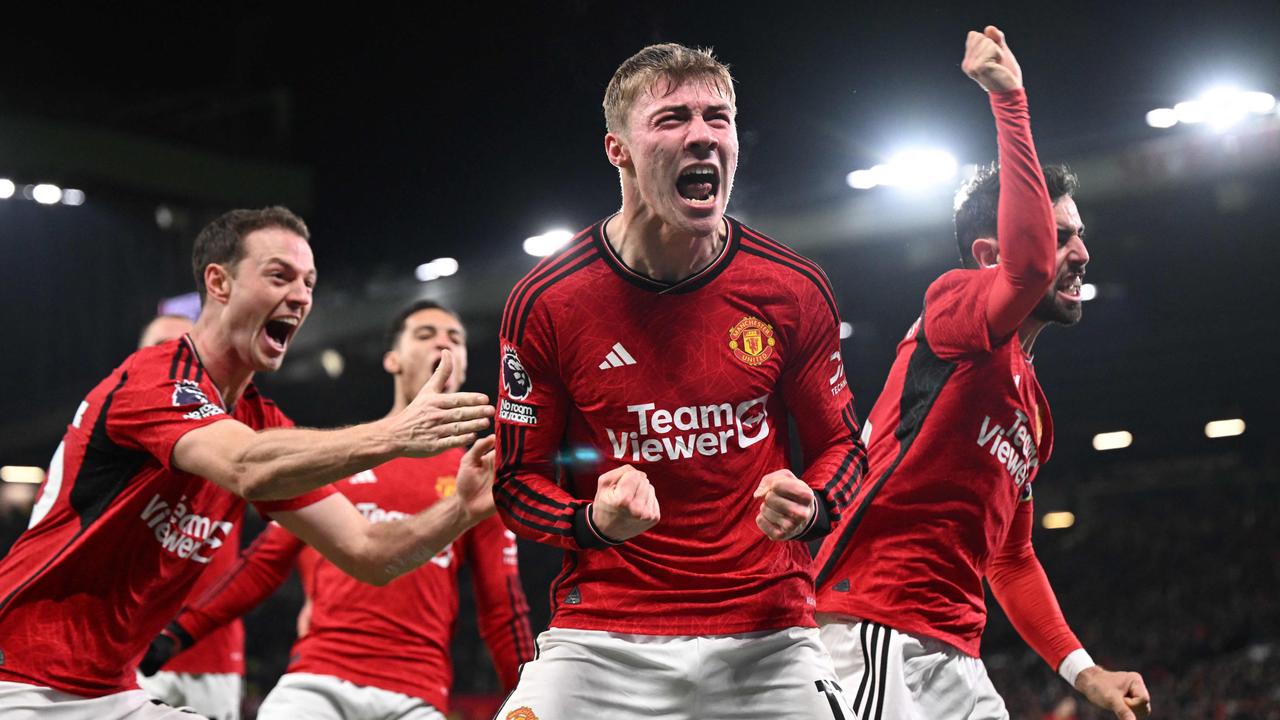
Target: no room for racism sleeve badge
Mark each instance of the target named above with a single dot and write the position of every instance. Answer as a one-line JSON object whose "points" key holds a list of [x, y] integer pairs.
{"points": [[752, 341]]}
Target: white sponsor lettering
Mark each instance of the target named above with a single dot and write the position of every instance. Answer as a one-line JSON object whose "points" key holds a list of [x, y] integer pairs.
{"points": [[704, 430], [182, 532], [517, 412], [1014, 448]]}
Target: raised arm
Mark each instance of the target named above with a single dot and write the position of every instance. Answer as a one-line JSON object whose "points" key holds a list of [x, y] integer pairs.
{"points": [[1026, 233]]}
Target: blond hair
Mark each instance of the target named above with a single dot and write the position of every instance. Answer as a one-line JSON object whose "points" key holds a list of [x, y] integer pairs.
{"points": [[669, 62]]}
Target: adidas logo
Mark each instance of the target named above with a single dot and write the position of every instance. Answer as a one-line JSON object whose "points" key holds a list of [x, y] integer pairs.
{"points": [[842, 586], [574, 597], [617, 358]]}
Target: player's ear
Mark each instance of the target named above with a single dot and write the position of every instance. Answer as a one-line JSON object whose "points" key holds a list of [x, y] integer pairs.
{"points": [[217, 281], [616, 150], [986, 252], [391, 362]]}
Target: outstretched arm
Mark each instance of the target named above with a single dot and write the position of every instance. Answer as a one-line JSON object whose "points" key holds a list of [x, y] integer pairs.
{"points": [[1020, 585]]}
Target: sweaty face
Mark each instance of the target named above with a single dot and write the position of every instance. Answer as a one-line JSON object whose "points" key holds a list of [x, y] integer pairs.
{"points": [[270, 296], [682, 144], [427, 333], [1061, 303]]}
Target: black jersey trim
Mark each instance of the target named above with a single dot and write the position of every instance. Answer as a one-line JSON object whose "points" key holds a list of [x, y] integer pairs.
{"points": [[808, 270], [518, 303], [520, 630], [815, 272], [108, 490], [926, 376], [693, 282]]}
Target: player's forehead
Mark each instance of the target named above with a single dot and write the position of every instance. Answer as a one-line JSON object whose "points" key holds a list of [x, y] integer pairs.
{"points": [[697, 93], [433, 319], [1067, 215], [280, 245]]}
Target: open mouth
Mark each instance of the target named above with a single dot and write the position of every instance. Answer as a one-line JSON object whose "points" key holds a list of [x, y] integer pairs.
{"points": [[279, 331], [699, 184], [1070, 286]]}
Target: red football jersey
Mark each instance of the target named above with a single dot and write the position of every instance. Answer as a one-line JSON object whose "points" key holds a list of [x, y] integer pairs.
{"points": [[394, 637], [954, 443], [957, 434], [693, 384], [118, 535], [221, 651]]}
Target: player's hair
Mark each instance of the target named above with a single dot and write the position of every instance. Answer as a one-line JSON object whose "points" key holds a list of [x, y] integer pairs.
{"points": [[669, 63], [397, 322], [222, 241], [978, 204]]}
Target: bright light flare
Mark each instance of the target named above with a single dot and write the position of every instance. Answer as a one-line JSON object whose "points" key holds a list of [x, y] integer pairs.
{"points": [[911, 169], [22, 474], [73, 197], [46, 194], [1112, 440], [547, 243], [1088, 291], [1224, 428], [7, 188], [438, 268], [1220, 108], [1058, 520]]}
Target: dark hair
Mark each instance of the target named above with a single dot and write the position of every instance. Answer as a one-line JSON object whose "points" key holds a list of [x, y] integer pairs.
{"points": [[978, 203], [221, 242], [397, 323]]}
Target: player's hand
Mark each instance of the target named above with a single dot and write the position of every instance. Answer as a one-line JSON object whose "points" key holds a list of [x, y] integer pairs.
{"points": [[162, 648], [474, 487], [437, 420], [625, 504], [1122, 693], [788, 505], [988, 60]]}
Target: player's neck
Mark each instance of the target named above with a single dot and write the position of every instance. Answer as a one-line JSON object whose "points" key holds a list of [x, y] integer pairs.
{"points": [[1028, 331], [652, 248], [217, 356]]}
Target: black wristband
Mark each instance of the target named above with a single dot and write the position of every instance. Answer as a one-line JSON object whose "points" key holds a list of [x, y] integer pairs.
{"points": [[586, 532], [820, 524]]}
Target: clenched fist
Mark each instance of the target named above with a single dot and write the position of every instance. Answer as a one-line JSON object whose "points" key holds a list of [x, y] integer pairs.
{"points": [[789, 504], [988, 60], [625, 504]]}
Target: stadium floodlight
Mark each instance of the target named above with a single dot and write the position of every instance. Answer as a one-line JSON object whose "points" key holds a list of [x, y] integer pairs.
{"points": [[22, 474], [1219, 107], [547, 243], [911, 169], [72, 197], [1162, 118], [1112, 440], [1224, 428], [7, 188], [46, 194], [1088, 291], [438, 268], [333, 363], [846, 330], [1058, 520]]}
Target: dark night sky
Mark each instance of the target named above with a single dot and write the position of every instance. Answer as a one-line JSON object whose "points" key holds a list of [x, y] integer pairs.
{"points": [[463, 131], [456, 129]]}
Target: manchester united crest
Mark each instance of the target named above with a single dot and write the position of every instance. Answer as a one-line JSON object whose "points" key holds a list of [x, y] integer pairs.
{"points": [[752, 341], [521, 713], [445, 485]]}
